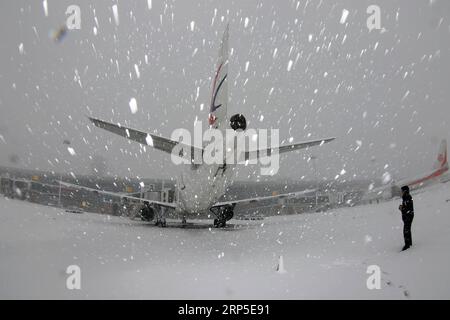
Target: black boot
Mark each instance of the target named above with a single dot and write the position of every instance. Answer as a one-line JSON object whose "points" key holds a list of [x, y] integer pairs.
{"points": [[405, 248]]}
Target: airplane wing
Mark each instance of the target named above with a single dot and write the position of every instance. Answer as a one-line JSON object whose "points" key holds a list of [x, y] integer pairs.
{"points": [[37, 182], [118, 194], [251, 155], [167, 145], [157, 142], [257, 199]]}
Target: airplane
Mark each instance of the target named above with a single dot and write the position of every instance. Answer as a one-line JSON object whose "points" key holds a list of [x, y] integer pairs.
{"points": [[199, 186], [435, 175]]}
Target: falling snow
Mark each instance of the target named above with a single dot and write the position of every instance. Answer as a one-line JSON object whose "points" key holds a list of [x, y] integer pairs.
{"points": [[344, 16], [133, 105], [45, 6], [116, 14]]}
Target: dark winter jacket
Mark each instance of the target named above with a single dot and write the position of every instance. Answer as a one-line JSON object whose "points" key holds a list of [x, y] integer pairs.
{"points": [[407, 207]]}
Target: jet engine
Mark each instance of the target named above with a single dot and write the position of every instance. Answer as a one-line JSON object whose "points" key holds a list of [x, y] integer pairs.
{"points": [[147, 213], [238, 122]]}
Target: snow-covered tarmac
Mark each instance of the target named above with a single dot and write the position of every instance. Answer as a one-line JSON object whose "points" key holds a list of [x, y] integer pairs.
{"points": [[326, 255]]}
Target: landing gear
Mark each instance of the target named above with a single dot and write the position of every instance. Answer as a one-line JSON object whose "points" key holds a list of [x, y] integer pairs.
{"points": [[160, 217], [161, 223], [146, 212], [223, 214], [220, 223]]}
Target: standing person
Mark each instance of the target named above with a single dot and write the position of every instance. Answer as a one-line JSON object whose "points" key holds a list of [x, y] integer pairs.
{"points": [[407, 209]]}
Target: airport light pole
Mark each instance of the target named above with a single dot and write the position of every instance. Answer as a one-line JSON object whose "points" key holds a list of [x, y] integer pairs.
{"points": [[65, 142], [373, 167], [313, 159], [59, 190]]}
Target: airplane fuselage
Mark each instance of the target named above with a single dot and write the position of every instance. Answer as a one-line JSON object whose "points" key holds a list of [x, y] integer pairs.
{"points": [[199, 186]]}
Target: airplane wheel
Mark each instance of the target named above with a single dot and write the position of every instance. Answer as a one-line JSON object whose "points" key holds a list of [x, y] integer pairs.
{"points": [[219, 223], [147, 213]]}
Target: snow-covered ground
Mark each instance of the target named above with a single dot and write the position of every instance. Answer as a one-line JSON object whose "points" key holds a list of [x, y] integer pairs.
{"points": [[326, 255]]}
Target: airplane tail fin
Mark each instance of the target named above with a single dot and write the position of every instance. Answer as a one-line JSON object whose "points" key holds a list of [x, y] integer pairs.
{"points": [[219, 97], [441, 160]]}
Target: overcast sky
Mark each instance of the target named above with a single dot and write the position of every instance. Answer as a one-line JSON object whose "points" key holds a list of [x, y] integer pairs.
{"points": [[384, 94]]}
